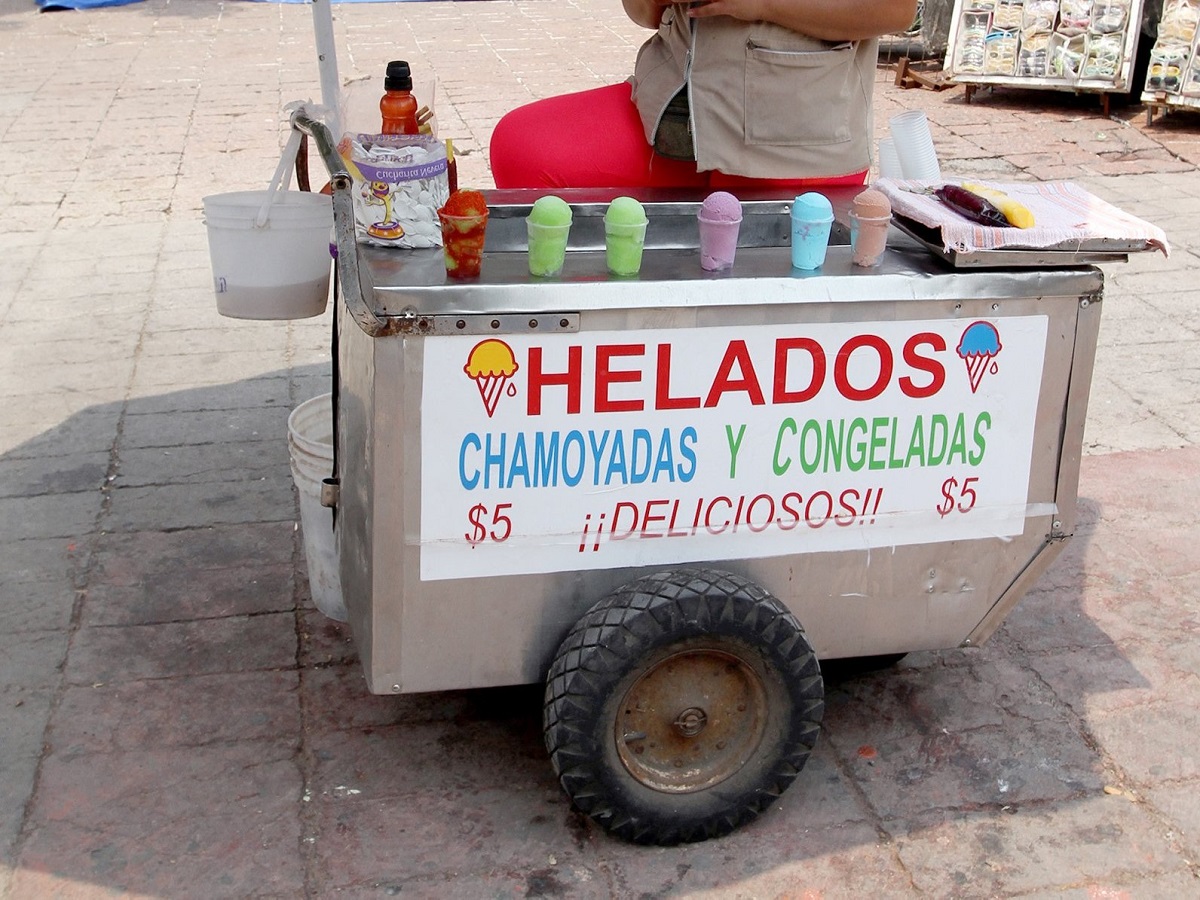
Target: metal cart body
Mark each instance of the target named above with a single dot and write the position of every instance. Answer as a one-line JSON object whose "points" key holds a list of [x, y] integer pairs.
{"points": [[667, 497], [458, 573]]}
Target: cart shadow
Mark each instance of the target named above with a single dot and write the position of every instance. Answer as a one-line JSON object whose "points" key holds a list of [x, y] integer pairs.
{"points": [[936, 741], [187, 583]]}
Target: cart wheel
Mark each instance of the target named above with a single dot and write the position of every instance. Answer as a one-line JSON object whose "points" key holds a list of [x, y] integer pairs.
{"points": [[682, 706]]}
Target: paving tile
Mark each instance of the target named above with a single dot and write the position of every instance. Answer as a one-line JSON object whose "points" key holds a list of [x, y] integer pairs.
{"points": [[984, 735], [844, 860], [24, 713], [200, 822], [32, 659], [60, 431], [1109, 678], [107, 654], [35, 606], [193, 594], [263, 391], [177, 428], [39, 476], [1102, 841], [129, 559], [213, 367], [174, 506], [1176, 802], [35, 560], [165, 713], [17, 777], [1146, 739], [252, 460]]}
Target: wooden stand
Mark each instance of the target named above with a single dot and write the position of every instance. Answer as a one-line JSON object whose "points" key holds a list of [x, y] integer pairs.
{"points": [[907, 76], [1105, 96]]}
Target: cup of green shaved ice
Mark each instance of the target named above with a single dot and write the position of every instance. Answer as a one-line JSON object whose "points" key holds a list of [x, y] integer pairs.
{"points": [[548, 226], [624, 236]]}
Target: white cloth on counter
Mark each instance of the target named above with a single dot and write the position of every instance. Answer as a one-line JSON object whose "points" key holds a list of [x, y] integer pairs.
{"points": [[1064, 215]]}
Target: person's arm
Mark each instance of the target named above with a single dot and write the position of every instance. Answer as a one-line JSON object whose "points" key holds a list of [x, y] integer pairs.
{"points": [[647, 13], [828, 20]]}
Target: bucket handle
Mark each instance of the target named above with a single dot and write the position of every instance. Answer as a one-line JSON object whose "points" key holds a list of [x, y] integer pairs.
{"points": [[282, 179]]}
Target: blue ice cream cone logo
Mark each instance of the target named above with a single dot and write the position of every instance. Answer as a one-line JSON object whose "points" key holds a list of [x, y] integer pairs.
{"points": [[978, 348]]}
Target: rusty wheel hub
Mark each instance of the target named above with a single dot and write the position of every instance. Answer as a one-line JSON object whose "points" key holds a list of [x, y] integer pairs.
{"points": [[691, 720]]}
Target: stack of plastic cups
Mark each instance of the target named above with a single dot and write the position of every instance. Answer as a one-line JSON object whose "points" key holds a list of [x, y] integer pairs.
{"points": [[914, 146], [889, 162]]}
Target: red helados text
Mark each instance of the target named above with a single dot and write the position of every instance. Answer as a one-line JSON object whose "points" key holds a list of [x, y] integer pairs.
{"points": [[638, 376]]}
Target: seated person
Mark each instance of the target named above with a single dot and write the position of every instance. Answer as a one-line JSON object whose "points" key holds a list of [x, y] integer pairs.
{"points": [[727, 93]]}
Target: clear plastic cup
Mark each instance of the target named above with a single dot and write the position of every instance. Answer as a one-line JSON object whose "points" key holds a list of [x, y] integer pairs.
{"points": [[812, 219], [868, 239], [462, 243], [889, 162], [623, 245], [718, 243], [547, 248]]}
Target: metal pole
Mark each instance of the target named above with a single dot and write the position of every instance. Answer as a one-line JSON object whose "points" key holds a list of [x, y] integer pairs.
{"points": [[327, 60]]}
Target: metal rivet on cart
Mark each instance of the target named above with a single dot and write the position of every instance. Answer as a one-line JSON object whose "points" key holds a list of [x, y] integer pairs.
{"points": [[995, 306], [1057, 524], [563, 323], [495, 323], [395, 688], [460, 324], [1085, 303], [958, 307], [533, 323]]}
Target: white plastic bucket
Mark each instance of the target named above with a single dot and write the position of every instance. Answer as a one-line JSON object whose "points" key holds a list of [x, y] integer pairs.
{"points": [[277, 271], [310, 440]]}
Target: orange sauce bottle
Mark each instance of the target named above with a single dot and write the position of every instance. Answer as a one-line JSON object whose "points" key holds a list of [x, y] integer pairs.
{"points": [[398, 106]]}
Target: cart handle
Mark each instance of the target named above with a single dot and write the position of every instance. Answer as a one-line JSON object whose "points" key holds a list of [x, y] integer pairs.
{"points": [[349, 275]]}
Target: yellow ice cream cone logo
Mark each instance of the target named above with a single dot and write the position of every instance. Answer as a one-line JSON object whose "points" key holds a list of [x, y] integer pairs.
{"points": [[490, 364]]}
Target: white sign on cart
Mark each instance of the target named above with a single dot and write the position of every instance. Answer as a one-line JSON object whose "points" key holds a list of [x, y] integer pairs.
{"points": [[602, 450]]}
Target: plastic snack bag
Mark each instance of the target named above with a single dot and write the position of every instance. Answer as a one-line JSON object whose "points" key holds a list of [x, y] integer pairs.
{"points": [[400, 181]]}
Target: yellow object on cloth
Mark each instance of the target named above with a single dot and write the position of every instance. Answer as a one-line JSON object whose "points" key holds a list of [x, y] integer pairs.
{"points": [[1064, 215]]}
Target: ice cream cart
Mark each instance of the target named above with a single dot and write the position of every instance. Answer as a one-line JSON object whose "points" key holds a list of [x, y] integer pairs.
{"points": [[669, 497]]}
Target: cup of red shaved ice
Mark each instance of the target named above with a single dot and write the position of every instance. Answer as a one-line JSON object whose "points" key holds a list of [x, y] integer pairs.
{"points": [[464, 220]]}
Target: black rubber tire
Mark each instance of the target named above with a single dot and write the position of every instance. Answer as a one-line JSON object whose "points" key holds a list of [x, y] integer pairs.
{"points": [[630, 636]]}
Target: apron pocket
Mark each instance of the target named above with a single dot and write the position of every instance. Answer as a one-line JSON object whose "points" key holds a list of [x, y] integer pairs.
{"points": [[799, 97]]}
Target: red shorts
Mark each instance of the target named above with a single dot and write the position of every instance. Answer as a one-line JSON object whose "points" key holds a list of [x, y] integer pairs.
{"points": [[594, 139]]}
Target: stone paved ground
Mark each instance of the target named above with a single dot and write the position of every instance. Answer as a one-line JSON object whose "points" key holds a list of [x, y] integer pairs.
{"points": [[176, 719]]}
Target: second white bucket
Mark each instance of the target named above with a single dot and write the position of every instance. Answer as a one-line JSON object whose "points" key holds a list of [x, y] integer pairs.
{"points": [[310, 441]]}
